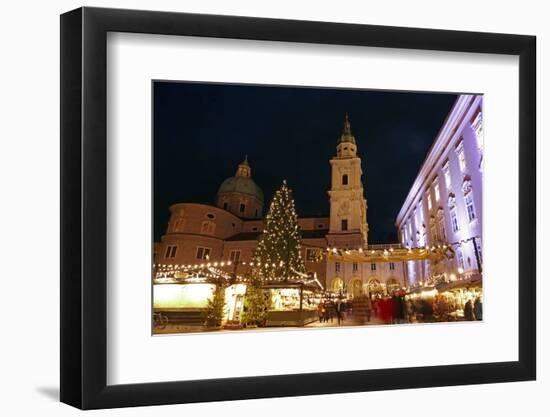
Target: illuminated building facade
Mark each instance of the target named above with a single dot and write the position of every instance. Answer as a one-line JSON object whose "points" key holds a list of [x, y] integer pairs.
{"points": [[444, 204], [197, 233], [349, 228]]}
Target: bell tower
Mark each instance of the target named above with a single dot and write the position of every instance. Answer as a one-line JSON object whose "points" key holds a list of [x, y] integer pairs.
{"points": [[348, 206]]}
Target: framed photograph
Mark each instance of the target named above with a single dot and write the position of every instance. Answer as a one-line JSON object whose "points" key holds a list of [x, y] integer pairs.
{"points": [[257, 208]]}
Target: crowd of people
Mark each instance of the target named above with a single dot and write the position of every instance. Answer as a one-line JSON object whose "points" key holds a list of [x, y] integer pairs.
{"points": [[400, 308], [333, 310]]}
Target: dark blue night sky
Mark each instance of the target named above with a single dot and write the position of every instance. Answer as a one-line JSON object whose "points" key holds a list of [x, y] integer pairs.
{"points": [[202, 131]]}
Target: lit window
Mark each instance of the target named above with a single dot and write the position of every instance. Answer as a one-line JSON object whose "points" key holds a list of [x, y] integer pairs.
{"points": [[460, 258], [436, 191], [344, 224], [208, 227], [345, 179], [178, 225], [311, 255], [470, 206], [454, 220], [373, 267], [479, 252], [461, 157], [418, 218], [447, 174], [203, 253], [235, 255], [477, 126], [441, 228], [170, 251]]}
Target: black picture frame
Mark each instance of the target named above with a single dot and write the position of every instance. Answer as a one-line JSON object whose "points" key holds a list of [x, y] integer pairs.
{"points": [[84, 207]]}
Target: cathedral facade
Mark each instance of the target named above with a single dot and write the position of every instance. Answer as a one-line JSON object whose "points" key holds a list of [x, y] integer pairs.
{"points": [[228, 231]]}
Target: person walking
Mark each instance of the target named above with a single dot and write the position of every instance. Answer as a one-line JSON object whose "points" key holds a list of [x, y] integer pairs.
{"points": [[376, 306], [339, 310], [409, 310], [398, 308], [478, 309], [368, 307], [468, 311], [427, 310], [321, 310]]}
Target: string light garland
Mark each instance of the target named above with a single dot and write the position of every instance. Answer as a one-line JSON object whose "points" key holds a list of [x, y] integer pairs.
{"points": [[318, 257]]}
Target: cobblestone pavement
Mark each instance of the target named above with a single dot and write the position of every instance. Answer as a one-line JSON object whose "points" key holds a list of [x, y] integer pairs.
{"points": [[348, 320]]}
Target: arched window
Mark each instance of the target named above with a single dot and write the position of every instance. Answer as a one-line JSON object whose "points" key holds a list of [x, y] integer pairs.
{"points": [[178, 225], [337, 284], [208, 227], [345, 179]]}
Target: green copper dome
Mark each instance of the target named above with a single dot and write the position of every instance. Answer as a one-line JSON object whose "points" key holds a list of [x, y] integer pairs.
{"points": [[242, 182], [243, 185]]}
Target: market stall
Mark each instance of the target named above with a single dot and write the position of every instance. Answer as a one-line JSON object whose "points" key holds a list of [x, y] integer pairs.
{"points": [[453, 295], [446, 301], [183, 295], [293, 303]]}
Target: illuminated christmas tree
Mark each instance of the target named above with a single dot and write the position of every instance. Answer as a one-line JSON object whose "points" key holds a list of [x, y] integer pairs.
{"points": [[256, 304], [277, 256], [216, 307]]}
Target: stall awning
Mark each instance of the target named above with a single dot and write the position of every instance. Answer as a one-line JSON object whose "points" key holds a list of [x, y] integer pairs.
{"points": [[474, 281], [313, 285]]}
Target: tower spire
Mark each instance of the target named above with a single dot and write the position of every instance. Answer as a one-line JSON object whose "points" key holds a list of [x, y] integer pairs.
{"points": [[244, 169], [347, 135]]}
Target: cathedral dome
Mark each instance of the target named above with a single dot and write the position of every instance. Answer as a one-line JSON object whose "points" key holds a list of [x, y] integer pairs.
{"points": [[242, 185], [240, 195]]}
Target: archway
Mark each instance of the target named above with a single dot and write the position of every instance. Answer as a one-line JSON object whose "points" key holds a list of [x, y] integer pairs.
{"points": [[374, 287], [356, 287], [337, 285]]}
